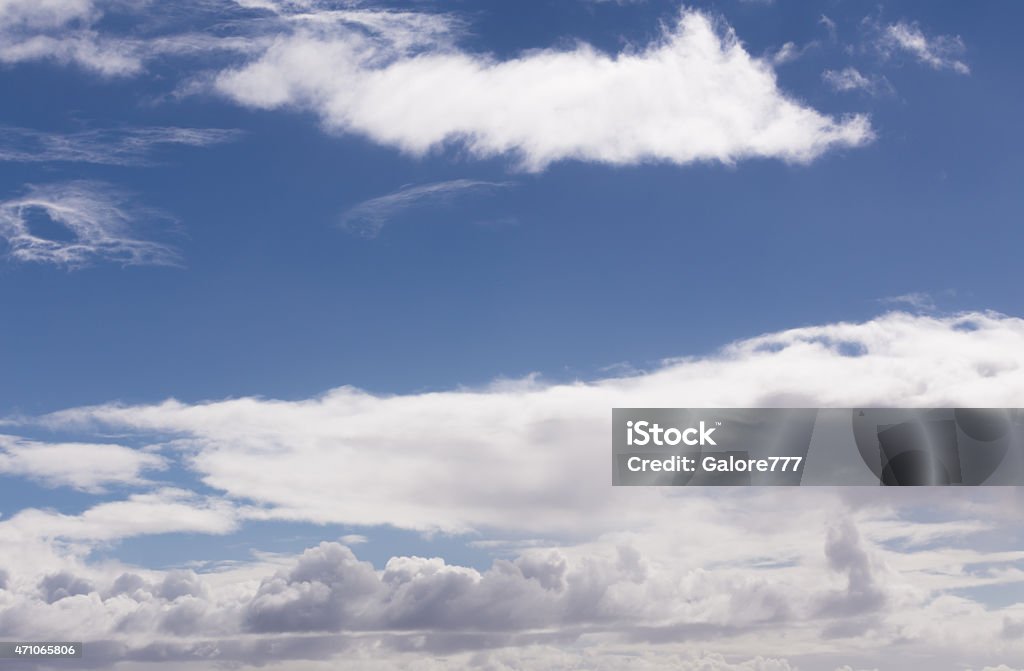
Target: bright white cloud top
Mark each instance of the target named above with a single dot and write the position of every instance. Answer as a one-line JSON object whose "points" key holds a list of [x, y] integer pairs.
{"points": [[694, 95]]}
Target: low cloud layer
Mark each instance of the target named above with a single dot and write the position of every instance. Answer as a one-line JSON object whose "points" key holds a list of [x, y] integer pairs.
{"points": [[586, 576], [527, 455]]}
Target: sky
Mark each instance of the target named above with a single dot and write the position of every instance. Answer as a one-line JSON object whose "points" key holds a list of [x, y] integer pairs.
{"points": [[314, 313]]}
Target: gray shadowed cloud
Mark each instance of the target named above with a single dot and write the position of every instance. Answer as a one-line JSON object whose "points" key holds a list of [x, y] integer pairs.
{"points": [[862, 596]]}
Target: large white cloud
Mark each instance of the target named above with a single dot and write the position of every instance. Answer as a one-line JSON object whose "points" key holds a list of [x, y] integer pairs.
{"points": [[693, 95], [595, 577], [529, 456]]}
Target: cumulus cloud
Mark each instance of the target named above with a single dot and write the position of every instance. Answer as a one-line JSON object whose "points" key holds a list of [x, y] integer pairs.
{"points": [[648, 572], [693, 95], [623, 601], [120, 146], [96, 223], [86, 466], [370, 216], [939, 52]]}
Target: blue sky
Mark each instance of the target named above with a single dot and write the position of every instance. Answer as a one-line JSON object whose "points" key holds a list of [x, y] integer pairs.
{"points": [[247, 248], [273, 298]]}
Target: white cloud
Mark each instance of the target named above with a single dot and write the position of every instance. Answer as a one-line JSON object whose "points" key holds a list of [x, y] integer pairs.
{"points": [[84, 48], [100, 224], [70, 32], [694, 95], [851, 79], [61, 31], [786, 53], [162, 511], [477, 459], [86, 466], [918, 300], [367, 218], [400, 79], [44, 13], [109, 146], [940, 52], [806, 577]]}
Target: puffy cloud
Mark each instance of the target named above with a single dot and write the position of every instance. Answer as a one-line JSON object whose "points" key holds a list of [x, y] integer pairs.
{"points": [[694, 95], [650, 574], [86, 466], [63, 585], [98, 221], [401, 79], [608, 603]]}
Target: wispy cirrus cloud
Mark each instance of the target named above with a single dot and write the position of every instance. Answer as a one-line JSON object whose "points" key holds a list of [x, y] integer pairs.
{"points": [[368, 217], [939, 52], [851, 79], [62, 31], [107, 146], [92, 222], [918, 300]]}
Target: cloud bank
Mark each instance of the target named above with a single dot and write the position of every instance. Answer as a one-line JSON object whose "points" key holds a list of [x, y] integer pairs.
{"points": [[527, 455], [586, 576]]}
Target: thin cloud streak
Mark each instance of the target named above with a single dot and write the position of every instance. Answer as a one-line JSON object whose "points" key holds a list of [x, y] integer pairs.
{"points": [[109, 146], [368, 218]]}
